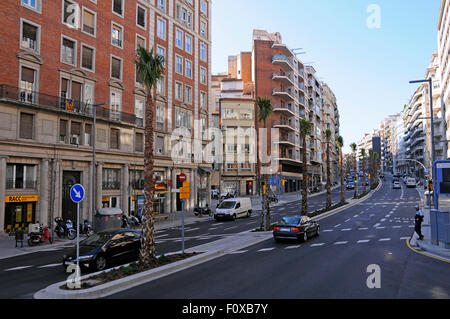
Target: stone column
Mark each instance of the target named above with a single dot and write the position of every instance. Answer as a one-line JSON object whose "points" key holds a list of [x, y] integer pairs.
{"points": [[193, 191], [43, 194], [168, 198], [125, 188], [2, 192], [99, 187]]}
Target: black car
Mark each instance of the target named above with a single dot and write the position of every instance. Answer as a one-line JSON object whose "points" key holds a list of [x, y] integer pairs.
{"points": [[296, 227], [106, 248]]}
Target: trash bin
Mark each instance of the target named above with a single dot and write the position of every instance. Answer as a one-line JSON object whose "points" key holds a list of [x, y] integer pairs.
{"points": [[107, 219]]}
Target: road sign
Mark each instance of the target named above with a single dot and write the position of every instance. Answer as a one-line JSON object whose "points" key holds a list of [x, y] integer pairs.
{"points": [[182, 177], [185, 191], [425, 172], [77, 193]]}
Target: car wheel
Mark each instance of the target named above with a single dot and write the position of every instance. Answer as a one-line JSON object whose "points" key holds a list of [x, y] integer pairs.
{"points": [[249, 213], [72, 235], [318, 231], [100, 263], [305, 237], [234, 216]]}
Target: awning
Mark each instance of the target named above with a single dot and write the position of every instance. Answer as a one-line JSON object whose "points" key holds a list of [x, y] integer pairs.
{"points": [[206, 169]]}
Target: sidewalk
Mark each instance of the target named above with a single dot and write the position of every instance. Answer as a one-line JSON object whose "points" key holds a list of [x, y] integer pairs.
{"points": [[425, 244]]}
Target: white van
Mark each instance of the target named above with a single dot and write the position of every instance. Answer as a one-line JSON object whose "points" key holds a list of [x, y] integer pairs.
{"points": [[233, 208], [410, 182]]}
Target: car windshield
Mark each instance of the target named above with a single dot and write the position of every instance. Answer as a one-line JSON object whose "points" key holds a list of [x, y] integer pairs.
{"points": [[96, 239], [291, 220], [227, 205]]}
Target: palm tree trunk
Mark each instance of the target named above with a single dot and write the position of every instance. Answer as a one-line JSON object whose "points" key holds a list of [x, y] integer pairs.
{"points": [[304, 184], [147, 252], [329, 201], [341, 164], [356, 174]]}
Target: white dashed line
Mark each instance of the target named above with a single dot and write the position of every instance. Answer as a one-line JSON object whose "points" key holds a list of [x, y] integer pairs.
{"points": [[404, 238], [293, 247], [346, 229], [317, 245], [266, 249], [363, 241], [337, 225], [238, 252], [384, 239], [327, 230], [51, 265], [341, 242], [192, 229], [18, 268]]}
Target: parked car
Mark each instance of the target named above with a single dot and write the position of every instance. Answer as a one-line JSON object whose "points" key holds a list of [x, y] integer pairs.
{"points": [[233, 208], [106, 248], [350, 185], [411, 182], [296, 227], [396, 185]]}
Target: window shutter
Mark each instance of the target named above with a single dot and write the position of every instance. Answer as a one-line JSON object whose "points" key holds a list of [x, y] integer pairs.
{"points": [[26, 125]]}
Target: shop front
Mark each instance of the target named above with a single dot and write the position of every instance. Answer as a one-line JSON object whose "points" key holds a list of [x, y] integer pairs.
{"points": [[20, 211]]}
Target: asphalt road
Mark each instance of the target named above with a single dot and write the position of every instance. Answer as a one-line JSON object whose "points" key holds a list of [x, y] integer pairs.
{"points": [[334, 265]]}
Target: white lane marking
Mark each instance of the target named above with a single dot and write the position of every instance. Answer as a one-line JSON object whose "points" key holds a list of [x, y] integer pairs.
{"points": [[191, 229], [346, 229], [293, 247], [376, 225], [212, 228], [327, 230], [384, 239], [383, 219], [340, 242], [337, 225], [317, 245], [363, 228], [355, 216], [238, 252], [50, 265], [381, 227], [411, 226], [18, 268], [348, 220], [396, 226], [404, 238], [363, 241], [162, 236], [231, 228], [266, 249]]}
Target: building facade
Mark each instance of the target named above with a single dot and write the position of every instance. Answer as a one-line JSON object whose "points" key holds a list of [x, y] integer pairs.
{"points": [[70, 60]]}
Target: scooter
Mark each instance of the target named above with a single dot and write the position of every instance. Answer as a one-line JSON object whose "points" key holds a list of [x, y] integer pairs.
{"points": [[203, 211], [39, 234], [64, 229], [86, 228]]}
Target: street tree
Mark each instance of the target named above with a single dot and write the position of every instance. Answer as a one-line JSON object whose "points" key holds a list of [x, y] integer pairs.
{"points": [[305, 130], [340, 145], [353, 146]]}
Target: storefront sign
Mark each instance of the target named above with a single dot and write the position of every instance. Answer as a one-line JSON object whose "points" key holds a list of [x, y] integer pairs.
{"points": [[160, 186], [21, 198]]}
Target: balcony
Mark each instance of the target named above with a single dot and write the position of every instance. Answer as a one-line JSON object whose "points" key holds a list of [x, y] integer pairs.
{"points": [[287, 110], [285, 94], [283, 61], [283, 77], [287, 141], [289, 158], [283, 47], [286, 125], [63, 105]]}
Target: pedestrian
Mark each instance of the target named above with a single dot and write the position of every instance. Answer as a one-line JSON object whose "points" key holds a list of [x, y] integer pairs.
{"points": [[418, 222]]}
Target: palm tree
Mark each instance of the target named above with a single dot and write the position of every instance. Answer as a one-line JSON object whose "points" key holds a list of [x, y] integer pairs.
{"points": [[328, 186], [265, 109], [150, 68], [363, 154], [340, 144], [305, 130], [353, 146]]}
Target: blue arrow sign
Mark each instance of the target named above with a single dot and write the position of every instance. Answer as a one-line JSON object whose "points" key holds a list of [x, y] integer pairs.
{"points": [[77, 193]]}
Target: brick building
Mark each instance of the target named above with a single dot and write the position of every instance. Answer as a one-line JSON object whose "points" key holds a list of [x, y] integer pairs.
{"points": [[63, 58]]}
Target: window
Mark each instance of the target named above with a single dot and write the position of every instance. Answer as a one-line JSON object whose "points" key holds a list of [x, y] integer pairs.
{"points": [[141, 17], [118, 7], [179, 91], [32, 4], [75, 133], [140, 42], [26, 126], [188, 44], [88, 134], [117, 35], [139, 143], [70, 14], [179, 38], [20, 176], [111, 178], [161, 86], [203, 28], [203, 127], [27, 85], [63, 131], [161, 4], [159, 145], [115, 105], [161, 28], [184, 15], [114, 139], [162, 53], [178, 64], [139, 108], [188, 69], [203, 6], [203, 100], [203, 78], [203, 51], [87, 58], [30, 37], [89, 21], [183, 118], [116, 68], [160, 116], [188, 94], [68, 51]]}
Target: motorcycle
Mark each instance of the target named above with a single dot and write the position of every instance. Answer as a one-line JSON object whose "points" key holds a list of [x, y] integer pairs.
{"points": [[86, 228], [273, 198], [65, 229], [39, 234], [203, 211]]}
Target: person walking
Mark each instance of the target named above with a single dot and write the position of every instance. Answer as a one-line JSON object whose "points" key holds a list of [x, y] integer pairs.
{"points": [[418, 222]]}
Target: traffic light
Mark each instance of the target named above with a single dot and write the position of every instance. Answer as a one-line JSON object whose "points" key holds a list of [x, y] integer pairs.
{"points": [[430, 185]]}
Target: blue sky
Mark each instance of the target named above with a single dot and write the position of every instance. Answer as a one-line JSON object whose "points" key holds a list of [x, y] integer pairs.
{"points": [[368, 69]]}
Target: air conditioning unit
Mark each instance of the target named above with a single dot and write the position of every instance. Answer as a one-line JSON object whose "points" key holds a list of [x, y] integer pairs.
{"points": [[75, 140]]}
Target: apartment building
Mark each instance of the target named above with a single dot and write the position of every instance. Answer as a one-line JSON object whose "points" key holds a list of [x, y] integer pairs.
{"points": [[65, 61], [295, 93]]}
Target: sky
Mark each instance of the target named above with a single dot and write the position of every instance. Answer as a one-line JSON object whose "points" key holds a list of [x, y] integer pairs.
{"points": [[367, 65]]}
